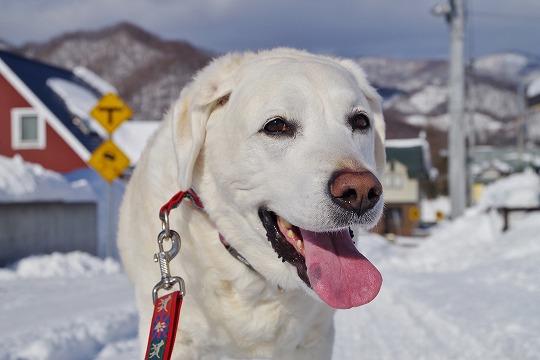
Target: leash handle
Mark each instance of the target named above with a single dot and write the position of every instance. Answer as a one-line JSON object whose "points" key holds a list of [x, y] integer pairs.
{"points": [[164, 326]]}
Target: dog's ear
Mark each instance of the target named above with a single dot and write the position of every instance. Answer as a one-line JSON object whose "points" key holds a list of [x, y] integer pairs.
{"points": [[374, 100], [209, 90]]}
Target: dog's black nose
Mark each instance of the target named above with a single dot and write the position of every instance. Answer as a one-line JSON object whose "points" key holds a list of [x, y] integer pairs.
{"points": [[355, 191]]}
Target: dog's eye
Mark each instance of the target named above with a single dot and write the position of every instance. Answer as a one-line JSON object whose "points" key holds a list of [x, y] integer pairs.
{"points": [[359, 121], [277, 126]]}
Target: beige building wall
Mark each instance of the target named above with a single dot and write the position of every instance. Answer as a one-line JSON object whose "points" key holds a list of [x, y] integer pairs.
{"points": [[398, 188]]}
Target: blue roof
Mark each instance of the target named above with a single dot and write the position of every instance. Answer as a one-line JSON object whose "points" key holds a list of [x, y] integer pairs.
{"points": [[35, 74]]}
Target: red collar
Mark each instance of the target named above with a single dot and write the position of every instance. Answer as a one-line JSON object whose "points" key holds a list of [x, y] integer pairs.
{"points": [[177, 199], [192, 195]]}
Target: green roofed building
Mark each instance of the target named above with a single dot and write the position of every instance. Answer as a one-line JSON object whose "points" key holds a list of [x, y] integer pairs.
{"points": [[408, 164]]}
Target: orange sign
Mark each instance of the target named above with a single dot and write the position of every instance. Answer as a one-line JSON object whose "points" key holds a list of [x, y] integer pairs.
{"points": [[109, 161], [414, 213], [111, 111]]}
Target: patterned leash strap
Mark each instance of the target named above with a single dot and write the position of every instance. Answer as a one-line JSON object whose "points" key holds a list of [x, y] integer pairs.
{"points": [[164, 325]]}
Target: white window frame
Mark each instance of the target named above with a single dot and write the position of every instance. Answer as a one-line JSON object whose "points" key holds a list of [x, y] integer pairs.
{"points": [[394, 180], [17, 143]]}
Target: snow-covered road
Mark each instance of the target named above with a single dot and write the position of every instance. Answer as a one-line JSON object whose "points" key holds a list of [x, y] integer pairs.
{"points": [[486, 309], [474, 298], [66, 313], [468, 291]]}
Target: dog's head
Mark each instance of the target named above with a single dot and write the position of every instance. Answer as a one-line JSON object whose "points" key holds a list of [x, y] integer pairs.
{"points": [[286, 151]]}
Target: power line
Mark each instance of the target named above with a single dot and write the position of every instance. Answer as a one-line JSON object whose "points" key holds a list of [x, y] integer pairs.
{"points": [[533, 19]]}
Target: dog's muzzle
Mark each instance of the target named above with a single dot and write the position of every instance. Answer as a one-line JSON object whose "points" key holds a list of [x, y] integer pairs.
{"points": [[355, 191]]}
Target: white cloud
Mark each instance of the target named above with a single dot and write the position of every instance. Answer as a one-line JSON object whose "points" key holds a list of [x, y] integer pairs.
{"points": [[348, 27]]}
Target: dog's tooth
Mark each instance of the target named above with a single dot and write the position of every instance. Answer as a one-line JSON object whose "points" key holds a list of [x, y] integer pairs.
{"points": [[285, 223], [300, 244], [290, 234]]}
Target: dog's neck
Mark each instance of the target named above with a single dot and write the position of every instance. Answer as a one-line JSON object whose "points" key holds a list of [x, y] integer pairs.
{"points": [[192, 195], [235, 253]]}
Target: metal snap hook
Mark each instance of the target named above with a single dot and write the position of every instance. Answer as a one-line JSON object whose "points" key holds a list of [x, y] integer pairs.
{"points": [[176, 243], [165, 223], [164, 257]]}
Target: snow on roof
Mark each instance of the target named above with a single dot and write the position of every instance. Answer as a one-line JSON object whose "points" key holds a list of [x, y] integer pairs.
{"points": [[25, 182], [132, 136], [94, 80], [534, 88], [419, 142], [79, 101], [405, 143]]}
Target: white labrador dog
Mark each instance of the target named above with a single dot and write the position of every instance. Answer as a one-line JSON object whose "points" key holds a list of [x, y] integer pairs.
{"points": [[285, 150]]}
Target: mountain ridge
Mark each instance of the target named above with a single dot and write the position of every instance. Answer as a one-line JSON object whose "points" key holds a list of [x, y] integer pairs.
{"points": [[130, 58], [149, 73]]}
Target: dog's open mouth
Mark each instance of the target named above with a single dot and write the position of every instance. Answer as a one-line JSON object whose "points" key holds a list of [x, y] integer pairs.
{"points": [[328, 262]]}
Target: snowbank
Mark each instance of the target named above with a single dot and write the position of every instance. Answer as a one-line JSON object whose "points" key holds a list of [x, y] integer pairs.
{"points": [[468, 291], [57, 265], [24, 182], [21, 181], [430, 207], [518, 190]]}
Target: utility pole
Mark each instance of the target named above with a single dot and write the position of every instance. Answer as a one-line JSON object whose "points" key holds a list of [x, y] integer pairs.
{"points": [[457, 170]]}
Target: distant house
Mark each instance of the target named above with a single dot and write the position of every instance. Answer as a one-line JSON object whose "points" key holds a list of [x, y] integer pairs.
{"points": [[408, 165], [45, 120], [44, 113]]}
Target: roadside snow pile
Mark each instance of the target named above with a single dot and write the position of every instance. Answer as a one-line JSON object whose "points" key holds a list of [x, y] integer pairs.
{"points": [[66, 307], [99, 337], [71, 265], [469, 291], [518, 190], [22, 182], [475, 238], [430, 207]]}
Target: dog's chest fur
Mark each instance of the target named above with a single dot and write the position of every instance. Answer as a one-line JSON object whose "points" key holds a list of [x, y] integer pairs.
{"points": [[253, 319], [232, 307], [217, 140], [228, 308]]}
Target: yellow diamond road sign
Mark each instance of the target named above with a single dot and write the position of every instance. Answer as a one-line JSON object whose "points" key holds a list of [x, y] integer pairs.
{"points": [[109, 161], [111, 111]]}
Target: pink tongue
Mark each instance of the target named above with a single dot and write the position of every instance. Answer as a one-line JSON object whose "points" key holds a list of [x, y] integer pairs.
{"points": [[339, 274]]}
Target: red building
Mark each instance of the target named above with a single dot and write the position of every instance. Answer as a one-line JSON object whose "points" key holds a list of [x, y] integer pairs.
{"points": [[44, 114]]}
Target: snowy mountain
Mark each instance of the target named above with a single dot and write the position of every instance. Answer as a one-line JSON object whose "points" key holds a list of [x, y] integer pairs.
{"points": [[149, 73], [4, 45], [511, 66], [417, 94]]}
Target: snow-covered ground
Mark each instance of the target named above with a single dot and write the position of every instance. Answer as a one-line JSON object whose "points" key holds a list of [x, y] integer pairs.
{"points": [[468, 291]]}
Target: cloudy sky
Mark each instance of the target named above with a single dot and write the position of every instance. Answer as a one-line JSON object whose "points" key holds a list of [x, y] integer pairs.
{"points": [[394, 28]]}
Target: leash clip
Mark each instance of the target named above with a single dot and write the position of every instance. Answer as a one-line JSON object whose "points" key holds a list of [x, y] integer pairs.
{"points": [[164, 257]]}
